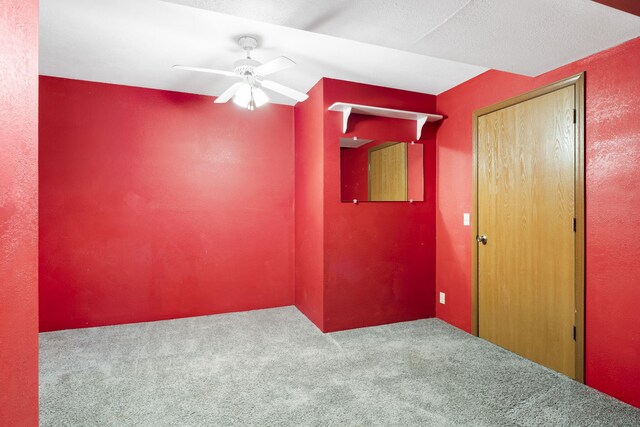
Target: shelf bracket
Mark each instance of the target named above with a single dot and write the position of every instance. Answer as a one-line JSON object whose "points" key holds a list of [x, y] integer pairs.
{"points": [[345, 118], [419, 124]]}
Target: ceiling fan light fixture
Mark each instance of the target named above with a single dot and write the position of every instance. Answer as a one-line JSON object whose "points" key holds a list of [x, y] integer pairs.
{"points": [[250, 97], [243, 95], [260, 97]]}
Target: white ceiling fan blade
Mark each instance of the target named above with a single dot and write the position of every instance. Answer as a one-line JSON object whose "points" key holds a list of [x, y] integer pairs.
{"points": [[284, 90], [206, 70], [227, 94], [275, 65]]}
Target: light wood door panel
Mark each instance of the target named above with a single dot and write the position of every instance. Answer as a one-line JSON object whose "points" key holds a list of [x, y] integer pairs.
{"points": [[388, 173], [525, 207]]}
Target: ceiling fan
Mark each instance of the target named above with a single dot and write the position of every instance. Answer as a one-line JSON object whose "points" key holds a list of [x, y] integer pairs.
{"points": [[248, 93]]}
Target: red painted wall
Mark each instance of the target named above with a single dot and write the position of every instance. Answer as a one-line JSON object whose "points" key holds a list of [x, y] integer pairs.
{"points": [[612, 202], [378, 257], [157, 205], [19, 213], [309, 218]]}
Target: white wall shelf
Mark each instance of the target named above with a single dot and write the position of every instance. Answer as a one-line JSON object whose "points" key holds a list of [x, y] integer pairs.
{"points": [[348, 109]]}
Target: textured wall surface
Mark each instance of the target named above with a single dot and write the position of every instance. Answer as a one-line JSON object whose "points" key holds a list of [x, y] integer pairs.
{"points": [[612, 201], [157, 205], [19, 213], [309, 215], [379, 258]]}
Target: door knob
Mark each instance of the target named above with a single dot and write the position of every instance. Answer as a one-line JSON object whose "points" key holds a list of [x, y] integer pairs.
{"points": [[481, 239]]}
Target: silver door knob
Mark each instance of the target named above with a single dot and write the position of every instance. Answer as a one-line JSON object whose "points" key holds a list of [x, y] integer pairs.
{"points": [[481, 239]]}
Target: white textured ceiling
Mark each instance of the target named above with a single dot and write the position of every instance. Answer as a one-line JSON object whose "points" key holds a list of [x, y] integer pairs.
{"points": [[521, 36], [528, 36], [135, 42], [421, 45], [391, 23]]}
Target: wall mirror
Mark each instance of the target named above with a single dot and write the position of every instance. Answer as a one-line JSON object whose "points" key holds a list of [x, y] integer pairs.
{"points": [[380, 171]]}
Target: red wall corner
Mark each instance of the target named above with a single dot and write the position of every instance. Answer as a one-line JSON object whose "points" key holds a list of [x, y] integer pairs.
{"points": [[379, 258], [612, 140], [19, 213]]}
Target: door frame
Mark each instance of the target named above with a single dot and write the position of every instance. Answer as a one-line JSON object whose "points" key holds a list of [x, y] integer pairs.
{"points": [[577, 81]]}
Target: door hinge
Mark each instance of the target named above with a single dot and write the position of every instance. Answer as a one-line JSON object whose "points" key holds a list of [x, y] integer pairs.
{"points": [[574, 224], [575, 115], [574, 333]]}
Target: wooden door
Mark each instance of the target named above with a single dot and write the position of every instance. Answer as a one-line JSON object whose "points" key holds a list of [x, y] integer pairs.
{"points": [[388, 173], [526, 208]]}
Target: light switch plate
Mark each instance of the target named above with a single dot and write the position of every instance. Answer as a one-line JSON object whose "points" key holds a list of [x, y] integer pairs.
{"points": [[441, 297], [466, 219]]}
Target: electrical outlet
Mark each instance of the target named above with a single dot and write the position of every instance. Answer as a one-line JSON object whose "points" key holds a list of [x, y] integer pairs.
{"points": [[441, 297], [466, 219]]}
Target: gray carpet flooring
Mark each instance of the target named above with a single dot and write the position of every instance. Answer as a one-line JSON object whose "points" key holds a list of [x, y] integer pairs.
{"points": [[274, 368]]}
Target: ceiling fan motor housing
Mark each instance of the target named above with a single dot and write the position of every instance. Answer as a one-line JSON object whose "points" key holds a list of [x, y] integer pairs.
{"points": [[245, 66], [248, 43]]}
